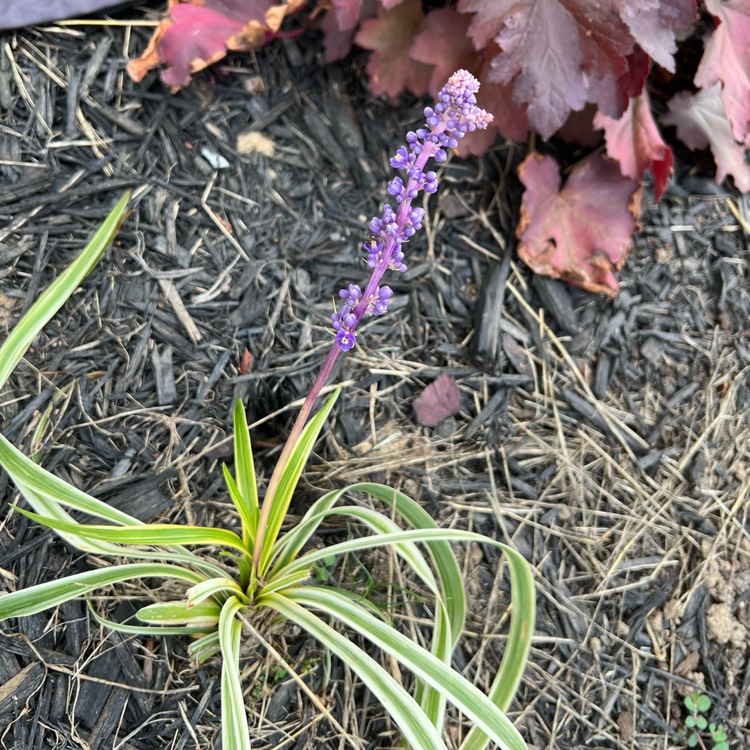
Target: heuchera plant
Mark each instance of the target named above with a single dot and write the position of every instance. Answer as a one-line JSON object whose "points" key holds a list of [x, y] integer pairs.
{"points": [[265, 569], [576, 66]]}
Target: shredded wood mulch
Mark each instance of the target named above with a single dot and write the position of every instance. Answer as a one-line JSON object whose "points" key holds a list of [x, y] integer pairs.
{"points": [[608, 441]]}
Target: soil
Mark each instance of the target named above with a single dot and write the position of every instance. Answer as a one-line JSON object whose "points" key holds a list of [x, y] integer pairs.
{"points": [[609, 441]]}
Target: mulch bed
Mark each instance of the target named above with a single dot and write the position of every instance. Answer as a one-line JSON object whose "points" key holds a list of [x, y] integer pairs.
{"points": [[608, 441]]}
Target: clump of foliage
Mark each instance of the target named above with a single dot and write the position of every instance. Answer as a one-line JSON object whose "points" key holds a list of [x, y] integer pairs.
{"points": [[697, 730], [546, 66], [264, 574]]}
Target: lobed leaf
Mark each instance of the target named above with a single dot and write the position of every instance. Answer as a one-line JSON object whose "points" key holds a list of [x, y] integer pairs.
{"points": [[583, 232], [543, 47], [701, 121], [442, 41], [389, 37], [636, 143], [197, 33], [560, 55], [726, 60], [655, 26]]}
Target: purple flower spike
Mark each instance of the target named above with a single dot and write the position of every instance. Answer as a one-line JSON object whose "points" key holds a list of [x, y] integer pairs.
{"points": [[455, 113]]}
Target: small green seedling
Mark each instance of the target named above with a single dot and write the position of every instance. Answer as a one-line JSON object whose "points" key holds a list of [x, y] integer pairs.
{"points": [[698, 731]]}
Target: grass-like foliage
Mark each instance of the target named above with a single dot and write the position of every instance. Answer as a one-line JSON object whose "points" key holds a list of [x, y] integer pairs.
{"points": [[238, 581]]}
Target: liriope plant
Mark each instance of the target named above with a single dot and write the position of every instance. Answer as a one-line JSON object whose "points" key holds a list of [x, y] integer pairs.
{"points": [[235, 580]]}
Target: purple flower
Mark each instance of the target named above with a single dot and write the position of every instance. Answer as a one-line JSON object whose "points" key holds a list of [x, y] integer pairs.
{"points": [[346, 340], [455, 113], [351, 295], [377, 303]]}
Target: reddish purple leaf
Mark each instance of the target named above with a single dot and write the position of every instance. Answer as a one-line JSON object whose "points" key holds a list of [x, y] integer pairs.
{"points": [[443, 43], [517, 356], [727, 60], [558, 56], [440, 400], [582, 232], [197, 38], [653, 24], [197, 33], [635, 141], [347, 13], [340, 25], [337, 42], [632, 81], [389, 37], [701, 121], [562, 54]]}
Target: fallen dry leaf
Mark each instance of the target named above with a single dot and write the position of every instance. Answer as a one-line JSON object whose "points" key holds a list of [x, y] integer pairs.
{"points": [[440, 400], [196, 33], [583, 232]]}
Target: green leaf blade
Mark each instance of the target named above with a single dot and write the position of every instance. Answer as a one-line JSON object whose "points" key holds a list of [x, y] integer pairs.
{"points": [[518, 645], [205, 615], [459, 691], [289, 480], [234, 728], [51, 300], [246, 499], [154, 534], [418, 731], [446, 565], [44, 596]]}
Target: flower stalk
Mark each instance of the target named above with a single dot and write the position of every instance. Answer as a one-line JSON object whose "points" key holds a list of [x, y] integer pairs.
{"points": [[455, 113]]}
